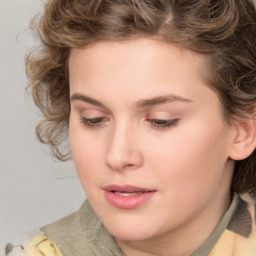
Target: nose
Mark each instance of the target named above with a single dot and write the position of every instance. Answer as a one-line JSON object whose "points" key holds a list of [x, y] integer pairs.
{"points": [[124, 152]]}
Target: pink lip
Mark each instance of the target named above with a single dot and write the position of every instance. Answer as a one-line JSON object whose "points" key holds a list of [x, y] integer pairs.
{"points": [[127, 202]]}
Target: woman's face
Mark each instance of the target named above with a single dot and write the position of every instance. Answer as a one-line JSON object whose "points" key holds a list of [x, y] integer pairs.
{"points": [[148, 138]]}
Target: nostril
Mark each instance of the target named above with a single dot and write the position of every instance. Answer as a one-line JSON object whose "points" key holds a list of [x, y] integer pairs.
{"points": [[129, 165]]}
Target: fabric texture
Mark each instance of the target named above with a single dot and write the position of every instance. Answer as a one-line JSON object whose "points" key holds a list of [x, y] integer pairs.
{"points": [[82, 234], [40, 245]]}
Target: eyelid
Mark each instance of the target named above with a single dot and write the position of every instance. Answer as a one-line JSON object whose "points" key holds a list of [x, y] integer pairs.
{"points": [[92, 113], [163, 124], [161, 115], [93, 118], [162, 120], [93, 123], [83, 108]]}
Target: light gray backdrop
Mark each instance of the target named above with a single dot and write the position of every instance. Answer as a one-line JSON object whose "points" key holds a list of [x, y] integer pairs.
{"points": [[34, 189]]}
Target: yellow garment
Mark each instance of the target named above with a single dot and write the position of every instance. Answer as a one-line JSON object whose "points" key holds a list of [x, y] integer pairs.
{"points": [[234, 244], [40, 245]]}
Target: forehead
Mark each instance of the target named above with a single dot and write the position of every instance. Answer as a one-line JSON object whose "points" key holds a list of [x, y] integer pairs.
{"points": [[136, 68], [142, 47], [142, 55]]}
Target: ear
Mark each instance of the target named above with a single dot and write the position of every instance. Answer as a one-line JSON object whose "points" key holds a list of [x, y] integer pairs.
{"points": [[244, 142]]}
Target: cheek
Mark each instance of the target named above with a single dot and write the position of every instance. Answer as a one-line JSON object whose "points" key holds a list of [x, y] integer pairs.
{"points": [[192, 157], [86, 153]]}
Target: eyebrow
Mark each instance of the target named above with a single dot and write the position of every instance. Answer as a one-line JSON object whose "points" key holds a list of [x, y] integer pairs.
{"points": [[161, 100], [86, 99], [140, 104]]}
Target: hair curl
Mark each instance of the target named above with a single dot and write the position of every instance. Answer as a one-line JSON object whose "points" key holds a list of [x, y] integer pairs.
{"points": [[223, 30]]}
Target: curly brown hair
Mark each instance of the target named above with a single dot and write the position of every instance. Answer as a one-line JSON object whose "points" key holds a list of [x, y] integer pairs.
{"points": [[223, 30]]}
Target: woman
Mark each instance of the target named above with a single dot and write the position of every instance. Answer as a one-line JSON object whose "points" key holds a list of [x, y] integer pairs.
{"points": [[158, 98]]}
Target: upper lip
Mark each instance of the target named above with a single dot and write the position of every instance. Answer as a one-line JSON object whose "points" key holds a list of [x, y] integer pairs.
{"points": [[126, 188]]}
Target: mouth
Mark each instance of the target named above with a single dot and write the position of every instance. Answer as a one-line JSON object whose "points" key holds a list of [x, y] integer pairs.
{"points": [[127, 197], [127, 190], [128, 193]]}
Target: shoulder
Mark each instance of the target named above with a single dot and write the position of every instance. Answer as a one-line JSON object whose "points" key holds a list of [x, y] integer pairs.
{"points": [[65, 235], [79, 234], [72, 232], [82, 234], [74, 224]]}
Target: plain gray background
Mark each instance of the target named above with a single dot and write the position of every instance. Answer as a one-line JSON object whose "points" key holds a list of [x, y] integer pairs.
{"points": [[34, 189]]}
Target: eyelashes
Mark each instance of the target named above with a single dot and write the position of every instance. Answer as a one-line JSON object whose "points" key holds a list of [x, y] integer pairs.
{"points": [[160, 124], [93, 122], [163, 123]]}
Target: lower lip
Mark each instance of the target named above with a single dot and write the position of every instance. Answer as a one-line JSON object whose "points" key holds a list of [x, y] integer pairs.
{"points": [[128, 202]]}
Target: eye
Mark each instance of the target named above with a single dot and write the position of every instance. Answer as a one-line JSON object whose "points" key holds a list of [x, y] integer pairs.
{"points": [[93, 122], [163, 123]]}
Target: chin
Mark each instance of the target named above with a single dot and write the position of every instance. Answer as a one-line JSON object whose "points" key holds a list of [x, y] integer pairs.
{"points": [[130, 235], [130, 229]]}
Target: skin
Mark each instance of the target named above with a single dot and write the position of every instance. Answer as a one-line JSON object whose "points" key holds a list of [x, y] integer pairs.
{"points": [[188, 163]]}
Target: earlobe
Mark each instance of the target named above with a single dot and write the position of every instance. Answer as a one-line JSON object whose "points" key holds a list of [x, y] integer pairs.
{"points": [[244, 142]]}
